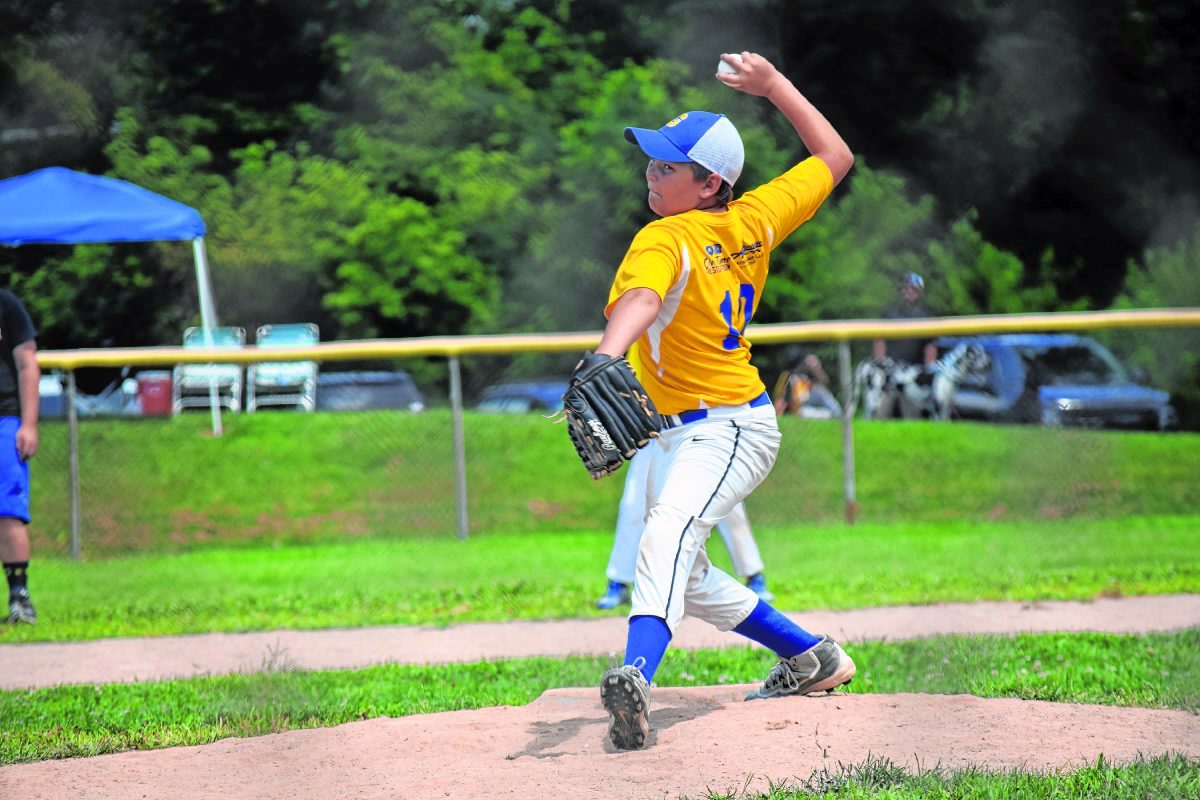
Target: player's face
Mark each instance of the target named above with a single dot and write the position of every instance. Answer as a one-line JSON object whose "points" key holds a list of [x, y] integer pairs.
{"points": [[673, 188]]}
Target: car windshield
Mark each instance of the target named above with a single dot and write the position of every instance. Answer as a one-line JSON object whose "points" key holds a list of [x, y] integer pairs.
{"points": [[1076, 365]]}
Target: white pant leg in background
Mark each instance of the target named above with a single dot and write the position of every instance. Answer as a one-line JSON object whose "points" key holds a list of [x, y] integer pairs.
{"points": [[699, 472], [631, 518], [739, 541]]}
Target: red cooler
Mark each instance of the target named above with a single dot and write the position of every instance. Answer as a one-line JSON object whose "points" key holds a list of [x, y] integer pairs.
{"points": [[154, 392]]}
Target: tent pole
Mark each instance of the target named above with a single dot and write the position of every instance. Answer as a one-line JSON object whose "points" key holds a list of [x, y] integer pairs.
{"points": [[73, 458], [208, 321]]}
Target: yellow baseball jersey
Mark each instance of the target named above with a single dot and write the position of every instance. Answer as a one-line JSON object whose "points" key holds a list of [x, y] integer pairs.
{"points": [[710, 269]]}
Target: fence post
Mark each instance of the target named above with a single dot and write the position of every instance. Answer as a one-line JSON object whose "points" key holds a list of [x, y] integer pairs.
{"points": [[460, 450], [73, 461], [847, 430]]}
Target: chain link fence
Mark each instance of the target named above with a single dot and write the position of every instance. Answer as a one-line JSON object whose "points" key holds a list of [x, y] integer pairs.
{"points": [[386, 452]]}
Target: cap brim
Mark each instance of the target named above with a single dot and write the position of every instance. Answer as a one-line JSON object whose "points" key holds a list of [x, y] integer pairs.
{"points": [[655, 145]]}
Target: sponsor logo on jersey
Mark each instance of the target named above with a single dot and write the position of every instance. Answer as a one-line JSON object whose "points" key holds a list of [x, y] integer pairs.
{"points": [[712, 267], [600, 433], [716, 261], [751, 251]]}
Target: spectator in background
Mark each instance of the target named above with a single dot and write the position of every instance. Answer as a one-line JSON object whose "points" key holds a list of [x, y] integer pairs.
{"points": [[803, 388], [19, 377], [917, 352]]}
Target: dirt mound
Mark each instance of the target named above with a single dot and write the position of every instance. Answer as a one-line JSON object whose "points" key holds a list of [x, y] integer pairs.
{"points": [[703, 738]]}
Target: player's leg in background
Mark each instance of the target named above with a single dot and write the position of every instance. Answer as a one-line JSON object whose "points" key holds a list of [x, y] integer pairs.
{"points": [[631, 518], [743, 551]]}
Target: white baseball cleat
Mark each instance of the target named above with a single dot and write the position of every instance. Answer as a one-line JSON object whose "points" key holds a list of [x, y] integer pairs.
{"points": [[821, 668], [625, 694]]}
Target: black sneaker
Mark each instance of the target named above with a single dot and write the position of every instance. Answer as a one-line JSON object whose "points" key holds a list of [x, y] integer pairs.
{"points": [[20, 607]]}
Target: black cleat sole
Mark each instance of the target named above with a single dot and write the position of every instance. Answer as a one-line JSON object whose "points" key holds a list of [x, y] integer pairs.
{"points": [[623, 701]]}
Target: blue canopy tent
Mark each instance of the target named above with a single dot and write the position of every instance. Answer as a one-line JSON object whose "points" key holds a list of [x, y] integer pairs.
{"points": [[59, 206]]}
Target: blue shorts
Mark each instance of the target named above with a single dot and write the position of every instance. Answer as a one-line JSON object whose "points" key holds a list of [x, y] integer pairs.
{"points": [[14, 473]]}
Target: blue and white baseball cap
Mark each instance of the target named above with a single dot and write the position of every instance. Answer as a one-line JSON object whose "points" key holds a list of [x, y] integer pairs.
{"points": [[708, 139]]}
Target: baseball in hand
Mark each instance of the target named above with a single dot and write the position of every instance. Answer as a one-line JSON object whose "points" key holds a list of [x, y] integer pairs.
{"points": [[724, 66]]}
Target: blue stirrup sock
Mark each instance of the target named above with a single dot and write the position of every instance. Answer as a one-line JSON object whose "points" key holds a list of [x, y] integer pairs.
{"points": [[772, 629], [648, 640]]}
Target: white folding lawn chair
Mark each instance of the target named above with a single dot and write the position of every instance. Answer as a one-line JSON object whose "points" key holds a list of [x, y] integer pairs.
{"points": [[283, 383], [191, 383]]}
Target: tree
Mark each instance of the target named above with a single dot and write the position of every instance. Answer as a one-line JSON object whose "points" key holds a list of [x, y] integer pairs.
{"points": [[1166, 278], [402, 272]]}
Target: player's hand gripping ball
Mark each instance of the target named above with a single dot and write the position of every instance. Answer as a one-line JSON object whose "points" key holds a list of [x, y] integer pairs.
{"points": [[726, 67], [608, 412]]}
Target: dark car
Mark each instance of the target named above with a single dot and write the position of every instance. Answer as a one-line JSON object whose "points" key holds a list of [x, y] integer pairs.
{"points": [[1059, 380], [519, 398], [366, 390]]}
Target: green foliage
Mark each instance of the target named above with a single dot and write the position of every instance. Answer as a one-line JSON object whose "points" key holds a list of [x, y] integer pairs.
{"points": [[843, 264], [493, 130], [274, 257], [404, 273], [173, 166], [970, 276], [101, 294], [1168, 279]]}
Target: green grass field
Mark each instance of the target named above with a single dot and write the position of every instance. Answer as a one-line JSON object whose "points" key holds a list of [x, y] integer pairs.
{"points": [[1167, 778], [559, 575], [321, 521], [166, 485]]}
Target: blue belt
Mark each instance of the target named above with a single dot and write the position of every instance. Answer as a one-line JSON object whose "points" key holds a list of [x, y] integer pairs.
{"points": [[685, 417]]}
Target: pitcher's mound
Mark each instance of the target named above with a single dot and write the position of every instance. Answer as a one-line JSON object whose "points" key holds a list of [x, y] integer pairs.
{"points": [[702, 739]]}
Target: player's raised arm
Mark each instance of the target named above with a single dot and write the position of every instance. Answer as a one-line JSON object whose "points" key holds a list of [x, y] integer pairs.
{"points": [[757, 76]]}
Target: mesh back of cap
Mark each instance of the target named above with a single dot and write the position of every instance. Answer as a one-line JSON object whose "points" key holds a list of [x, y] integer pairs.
{"points": [[720, 150]]}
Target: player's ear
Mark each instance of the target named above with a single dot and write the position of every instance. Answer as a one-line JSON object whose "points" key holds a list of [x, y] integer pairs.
{"points": [[712, 185]]}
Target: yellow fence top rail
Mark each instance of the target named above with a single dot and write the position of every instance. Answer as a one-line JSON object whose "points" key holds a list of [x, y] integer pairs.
{"points": [[446, 346]]}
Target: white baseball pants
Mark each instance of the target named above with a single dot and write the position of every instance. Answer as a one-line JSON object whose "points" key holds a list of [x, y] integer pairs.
{"points": [[698, 473]]}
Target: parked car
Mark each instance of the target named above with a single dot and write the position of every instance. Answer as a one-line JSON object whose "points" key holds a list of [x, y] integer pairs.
{"points": [[366, 390], [519, 398], [1059, 380]]}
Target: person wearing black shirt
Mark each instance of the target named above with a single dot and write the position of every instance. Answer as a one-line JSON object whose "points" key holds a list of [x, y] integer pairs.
{"points": [[19, 377]]}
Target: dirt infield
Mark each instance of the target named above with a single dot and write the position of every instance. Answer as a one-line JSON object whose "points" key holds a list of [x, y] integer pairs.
{"points": [[703, 738], [555, 747], [125, 660]]}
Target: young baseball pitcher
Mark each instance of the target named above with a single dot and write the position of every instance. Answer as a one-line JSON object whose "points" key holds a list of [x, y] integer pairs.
{"points": [[683, 295]]}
